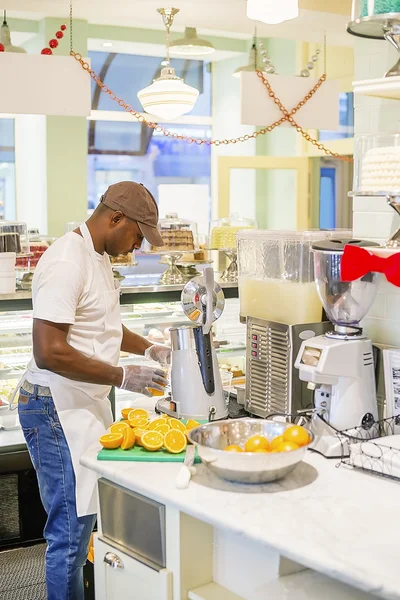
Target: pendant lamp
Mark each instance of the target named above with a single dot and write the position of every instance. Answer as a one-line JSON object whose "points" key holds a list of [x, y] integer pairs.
{"points": [[5, 38], [168, 97], [272, 12], [191, 45]]}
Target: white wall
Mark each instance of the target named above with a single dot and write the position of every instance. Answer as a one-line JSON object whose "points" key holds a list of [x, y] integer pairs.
{"points": [[372, 218]]}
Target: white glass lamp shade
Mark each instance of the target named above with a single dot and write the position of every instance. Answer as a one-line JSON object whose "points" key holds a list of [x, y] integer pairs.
{"points": [[271, 11], [168, 97]]}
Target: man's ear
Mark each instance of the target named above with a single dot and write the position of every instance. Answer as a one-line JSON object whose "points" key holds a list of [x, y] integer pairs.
{"points": [[116, 217]]}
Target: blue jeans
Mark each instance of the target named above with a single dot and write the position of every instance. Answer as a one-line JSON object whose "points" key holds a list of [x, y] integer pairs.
{"points": [[67, 536]]}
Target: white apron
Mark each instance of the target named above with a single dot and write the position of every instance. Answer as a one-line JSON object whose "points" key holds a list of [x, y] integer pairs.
{"points": [[84, 409]]}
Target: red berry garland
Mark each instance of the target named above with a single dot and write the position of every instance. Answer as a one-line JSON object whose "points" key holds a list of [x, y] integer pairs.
{"points": [[2, 49], [53, 43]]}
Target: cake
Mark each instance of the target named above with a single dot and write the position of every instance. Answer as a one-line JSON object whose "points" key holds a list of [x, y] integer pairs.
{"points": [[380, 170], [176, 239], [10, 242], [37, 249], [224, 237], [122, 259]]}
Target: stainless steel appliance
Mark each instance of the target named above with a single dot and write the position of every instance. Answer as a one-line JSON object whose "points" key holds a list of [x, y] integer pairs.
{"points": [[196, 386]]}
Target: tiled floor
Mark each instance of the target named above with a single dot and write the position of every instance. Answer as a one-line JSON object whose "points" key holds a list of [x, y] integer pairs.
{"points": [[22, 574]]}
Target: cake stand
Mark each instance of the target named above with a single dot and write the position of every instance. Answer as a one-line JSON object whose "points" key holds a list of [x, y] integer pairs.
{"points": [[126, 262], [393, 199], [188, 268], [380, 27], [231, 271]]}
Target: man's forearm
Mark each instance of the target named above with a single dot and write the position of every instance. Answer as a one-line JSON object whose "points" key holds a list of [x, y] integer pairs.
{"points": [[70, 363], [133, 343]]}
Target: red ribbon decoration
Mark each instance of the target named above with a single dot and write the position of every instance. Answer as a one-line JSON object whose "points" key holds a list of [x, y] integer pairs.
{"points": [[357, 262]]}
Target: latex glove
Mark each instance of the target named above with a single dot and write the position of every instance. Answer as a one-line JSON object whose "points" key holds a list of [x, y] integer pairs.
{"points": [[159, 353], [140, 378]]}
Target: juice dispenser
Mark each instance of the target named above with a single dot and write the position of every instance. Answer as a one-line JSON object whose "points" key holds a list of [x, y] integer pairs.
{"points": [[280, 304]]}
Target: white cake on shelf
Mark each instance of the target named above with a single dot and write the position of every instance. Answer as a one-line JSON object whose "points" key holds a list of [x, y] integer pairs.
{"points": [[380, 170]]}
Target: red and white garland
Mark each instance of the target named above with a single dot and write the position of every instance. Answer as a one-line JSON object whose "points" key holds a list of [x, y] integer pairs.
{"points": [[53, 43]]}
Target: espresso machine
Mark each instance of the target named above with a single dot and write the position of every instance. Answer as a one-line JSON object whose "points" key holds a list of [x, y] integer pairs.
{"points": [[339, 366], [196, 386]]}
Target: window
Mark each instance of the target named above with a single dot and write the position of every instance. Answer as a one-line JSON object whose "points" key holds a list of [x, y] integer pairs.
{"points": [[346, 119], [7, 169], [119, 150]]}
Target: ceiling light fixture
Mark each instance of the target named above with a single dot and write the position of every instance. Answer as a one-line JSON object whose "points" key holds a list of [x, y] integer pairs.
{"points": [[191, 44], [5, 37], [107, 44], [272, 12], [168, 97], [253, 56]]}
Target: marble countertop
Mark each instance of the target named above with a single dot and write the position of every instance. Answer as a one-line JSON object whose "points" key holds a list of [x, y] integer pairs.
{"points": [[338, 521]]}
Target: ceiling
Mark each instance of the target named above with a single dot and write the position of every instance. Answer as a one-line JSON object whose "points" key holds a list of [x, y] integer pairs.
{"points": [[218, 17]]}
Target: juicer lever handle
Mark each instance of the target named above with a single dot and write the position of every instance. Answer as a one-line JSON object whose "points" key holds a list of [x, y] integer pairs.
{"points": [[208, 275]]}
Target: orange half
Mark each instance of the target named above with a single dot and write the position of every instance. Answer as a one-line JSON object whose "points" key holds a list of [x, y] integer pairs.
{"points": [[138, 412], [119, 427], [176, 424], [191, 424], [175, 441], [152, 440], [129, 439], [111, 440]]}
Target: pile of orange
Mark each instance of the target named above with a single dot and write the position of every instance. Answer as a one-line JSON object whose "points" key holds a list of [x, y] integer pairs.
{"points": [[292, 439], [91, 550], [137, 429]]}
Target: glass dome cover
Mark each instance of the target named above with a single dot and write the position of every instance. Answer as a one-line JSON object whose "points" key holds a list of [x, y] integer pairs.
{"points": [[223, 231], [14, 237], [179, 235]]}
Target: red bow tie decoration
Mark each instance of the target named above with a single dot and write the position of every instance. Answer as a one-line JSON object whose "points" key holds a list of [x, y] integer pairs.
{"points": [[357, 262]]}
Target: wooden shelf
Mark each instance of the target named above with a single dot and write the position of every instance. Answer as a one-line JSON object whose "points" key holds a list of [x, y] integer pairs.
{"points": [[212, 591], [386, 87]]}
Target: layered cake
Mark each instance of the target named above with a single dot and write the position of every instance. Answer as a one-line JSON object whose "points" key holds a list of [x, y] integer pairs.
{"points": [[380, 170], [176, 239], [37, 249], [224, 237]]}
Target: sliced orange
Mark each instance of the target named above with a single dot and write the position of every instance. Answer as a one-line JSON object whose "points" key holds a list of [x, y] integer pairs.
{"points": [[233, 448], [138, 436], [297, 435], [111, 440], [119, 427], [152, 440], [175, 441], [163, 428], [129, 439], [138, 412], [141, 422], [176, 424], [153, 424], [125, 412], [191, 424], [277, 441]]}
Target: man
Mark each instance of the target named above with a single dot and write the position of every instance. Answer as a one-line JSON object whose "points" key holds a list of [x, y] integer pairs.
{"points": [[77, 339]]}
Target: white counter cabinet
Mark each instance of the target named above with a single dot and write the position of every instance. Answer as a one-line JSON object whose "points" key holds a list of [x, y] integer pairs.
{"points": [[323, 533]]}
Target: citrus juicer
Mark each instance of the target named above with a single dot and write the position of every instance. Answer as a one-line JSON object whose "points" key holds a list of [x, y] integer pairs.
{"points": [[339, 366], [196, 386]]}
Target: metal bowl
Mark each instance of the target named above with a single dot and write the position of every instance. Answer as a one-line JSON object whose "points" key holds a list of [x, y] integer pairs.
{"points": [[244, 467]]}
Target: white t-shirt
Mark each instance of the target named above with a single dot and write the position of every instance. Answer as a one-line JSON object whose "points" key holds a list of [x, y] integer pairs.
{"points": [[66, 289]]}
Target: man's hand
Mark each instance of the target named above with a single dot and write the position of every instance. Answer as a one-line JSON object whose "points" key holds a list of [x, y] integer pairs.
{"points": [[161, 354], [140, 378]]}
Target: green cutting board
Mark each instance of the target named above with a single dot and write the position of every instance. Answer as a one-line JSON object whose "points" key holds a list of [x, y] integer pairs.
{"points": [[139, 454]]}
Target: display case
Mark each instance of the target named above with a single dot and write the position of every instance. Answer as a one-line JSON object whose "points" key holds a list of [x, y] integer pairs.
{"points": [[14, 238], [223, 231]]}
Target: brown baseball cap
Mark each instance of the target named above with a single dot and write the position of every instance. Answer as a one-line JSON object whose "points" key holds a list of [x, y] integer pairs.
{"points": [[137, 203]]}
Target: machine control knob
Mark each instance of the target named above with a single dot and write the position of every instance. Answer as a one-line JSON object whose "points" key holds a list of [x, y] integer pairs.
{"points": [[367, 421]]}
